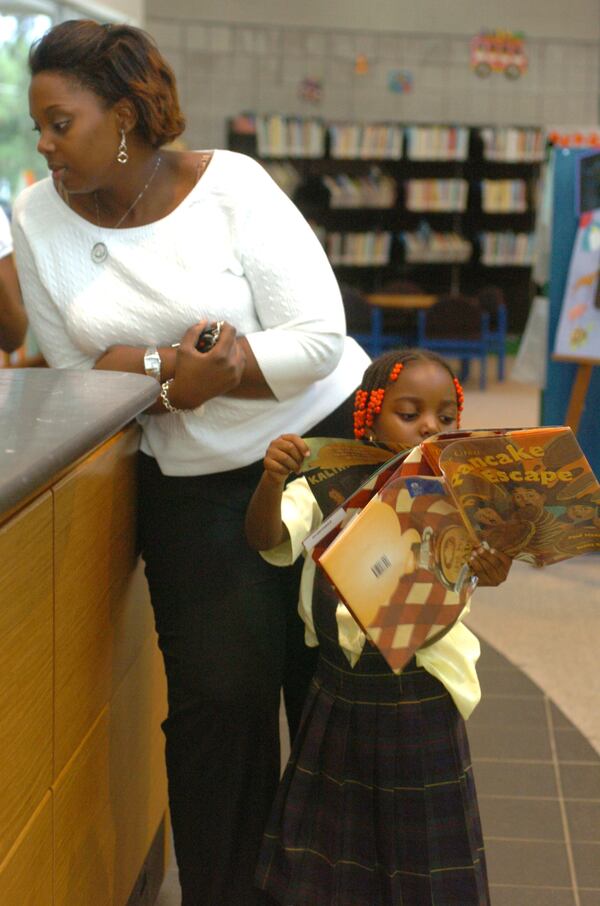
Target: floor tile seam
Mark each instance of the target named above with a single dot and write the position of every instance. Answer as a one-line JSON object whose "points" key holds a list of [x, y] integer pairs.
{"points": [[501, 886], [516, 696], [567, 762], [504, 839], [561, 803], [580, 763], [490, 759], [526, 797]]}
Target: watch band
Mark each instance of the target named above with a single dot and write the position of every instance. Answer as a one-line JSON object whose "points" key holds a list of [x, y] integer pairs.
{"points": [[152, 363]]}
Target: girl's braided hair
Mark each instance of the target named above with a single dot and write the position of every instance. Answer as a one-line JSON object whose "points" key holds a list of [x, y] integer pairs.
{"points": [[384, 371]]}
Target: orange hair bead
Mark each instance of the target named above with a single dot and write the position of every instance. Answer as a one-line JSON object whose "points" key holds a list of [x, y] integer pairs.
{"points": [[460, 399], [367, 404]]}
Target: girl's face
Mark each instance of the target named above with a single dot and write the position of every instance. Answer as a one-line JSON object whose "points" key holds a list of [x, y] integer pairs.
{"points": [[420, 403], [78, 134]]}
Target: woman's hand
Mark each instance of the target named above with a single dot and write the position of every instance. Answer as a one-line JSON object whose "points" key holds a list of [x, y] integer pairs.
{"points": [[284, 455], [200, 376], [490, 566]]}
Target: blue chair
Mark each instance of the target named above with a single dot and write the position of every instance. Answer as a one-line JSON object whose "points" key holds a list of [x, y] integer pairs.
{"points": [[365, 319], [457, 327], [491, 299]]}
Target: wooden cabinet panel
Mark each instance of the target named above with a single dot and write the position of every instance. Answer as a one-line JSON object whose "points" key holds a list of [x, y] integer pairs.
{"points": [[26, 874], [138, 786], [96, 636], [133, 624], [84, 839], [111, 796], [25, 666]]}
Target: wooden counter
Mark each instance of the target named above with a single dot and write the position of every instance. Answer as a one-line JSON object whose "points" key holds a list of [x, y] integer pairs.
{"points": [[83, 792]]}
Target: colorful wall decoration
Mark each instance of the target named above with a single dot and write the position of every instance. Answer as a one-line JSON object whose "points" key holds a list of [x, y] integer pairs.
{"points": [[499, 51], [311, 90], [361, 64], [400, 81]]}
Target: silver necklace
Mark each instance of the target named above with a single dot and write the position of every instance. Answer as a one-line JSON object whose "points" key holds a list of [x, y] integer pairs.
{"points": [[99, 250]]}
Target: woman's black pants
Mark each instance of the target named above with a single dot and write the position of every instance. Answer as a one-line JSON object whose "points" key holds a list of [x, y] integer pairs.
{"points": [[231, 638]]}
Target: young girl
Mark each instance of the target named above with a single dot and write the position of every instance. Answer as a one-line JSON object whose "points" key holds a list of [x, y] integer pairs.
{"points": [[377, 806]]}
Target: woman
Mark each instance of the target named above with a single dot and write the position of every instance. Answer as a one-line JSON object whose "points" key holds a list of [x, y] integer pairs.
{"points": [[130, 248], [13, 320]]}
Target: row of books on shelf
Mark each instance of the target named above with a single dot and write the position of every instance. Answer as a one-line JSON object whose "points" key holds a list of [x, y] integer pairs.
{"points": [[379, 190], [295, 136], [420, 247], [436, 194], [369, 141], [426, 247], [504, 196], [437, 142], [513, 145], [507, 248], [359, 249], [289, 136], [376, 190]]}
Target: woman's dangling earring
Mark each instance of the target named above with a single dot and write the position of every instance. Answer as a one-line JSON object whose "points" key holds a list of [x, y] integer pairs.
{"points": [[122, 155]]}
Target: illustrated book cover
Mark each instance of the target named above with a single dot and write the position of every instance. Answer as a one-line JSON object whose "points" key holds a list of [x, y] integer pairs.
{"points": [[398, 558]]}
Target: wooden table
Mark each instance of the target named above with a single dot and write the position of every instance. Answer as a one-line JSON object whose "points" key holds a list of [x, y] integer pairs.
{"points": [[403, 301]]}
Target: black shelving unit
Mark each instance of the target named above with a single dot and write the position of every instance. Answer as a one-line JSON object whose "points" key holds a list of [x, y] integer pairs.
{"points": [[439, 277]]}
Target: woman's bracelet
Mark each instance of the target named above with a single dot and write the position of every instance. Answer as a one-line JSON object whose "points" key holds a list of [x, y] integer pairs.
{"points": [[164, 395]]}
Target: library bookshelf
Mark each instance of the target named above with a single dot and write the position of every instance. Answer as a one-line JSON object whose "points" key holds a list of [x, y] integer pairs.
{"points": [[447, 209]]}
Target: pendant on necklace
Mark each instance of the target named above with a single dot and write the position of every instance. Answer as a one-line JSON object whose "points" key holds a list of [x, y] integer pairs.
{"points": [[99, 253]]}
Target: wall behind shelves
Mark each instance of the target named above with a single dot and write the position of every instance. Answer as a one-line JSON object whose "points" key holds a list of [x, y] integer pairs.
{"points": [[238, 56]]}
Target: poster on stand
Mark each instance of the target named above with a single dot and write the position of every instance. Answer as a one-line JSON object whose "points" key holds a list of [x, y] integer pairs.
{"points": [[578, 331]]}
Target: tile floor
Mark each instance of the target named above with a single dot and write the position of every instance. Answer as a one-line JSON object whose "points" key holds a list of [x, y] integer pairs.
{"points": [[538, 781]]}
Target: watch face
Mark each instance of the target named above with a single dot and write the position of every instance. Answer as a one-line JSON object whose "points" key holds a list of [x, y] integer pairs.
{"points": [[152, 364]]}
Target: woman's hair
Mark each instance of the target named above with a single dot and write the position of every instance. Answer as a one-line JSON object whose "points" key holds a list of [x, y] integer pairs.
{"points": [[384, 371], [115, 62]]}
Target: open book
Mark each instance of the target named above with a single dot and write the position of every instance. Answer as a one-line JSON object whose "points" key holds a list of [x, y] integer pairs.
{"points": [[397, 550]]}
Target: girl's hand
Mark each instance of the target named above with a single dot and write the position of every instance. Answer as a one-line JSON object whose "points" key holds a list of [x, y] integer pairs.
{"points": [[490, 566], [284, 455], [200, 376]]}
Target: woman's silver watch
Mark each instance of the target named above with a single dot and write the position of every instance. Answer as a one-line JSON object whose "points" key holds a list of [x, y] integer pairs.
{"points": [[152, 363]]}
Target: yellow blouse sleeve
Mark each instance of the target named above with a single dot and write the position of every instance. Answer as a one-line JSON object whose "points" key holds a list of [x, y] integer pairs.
{"points": [[300, 514]]}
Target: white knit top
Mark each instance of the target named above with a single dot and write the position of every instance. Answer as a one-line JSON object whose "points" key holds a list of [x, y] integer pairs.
{"points": [[236, 249], [6, 245]]}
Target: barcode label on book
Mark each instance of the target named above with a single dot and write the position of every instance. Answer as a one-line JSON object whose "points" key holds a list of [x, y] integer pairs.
{"points": [[380, 566]]}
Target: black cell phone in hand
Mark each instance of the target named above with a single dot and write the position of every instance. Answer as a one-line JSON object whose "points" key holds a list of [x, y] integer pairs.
{"points": [[209, 336]]}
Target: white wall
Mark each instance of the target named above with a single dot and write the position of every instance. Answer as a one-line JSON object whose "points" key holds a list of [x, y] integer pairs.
{"points": [[131, 11], [568, 19], [250, 55]]}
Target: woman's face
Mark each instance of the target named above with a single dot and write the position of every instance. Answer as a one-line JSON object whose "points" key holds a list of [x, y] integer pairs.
{"points": [[79, 135]]}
